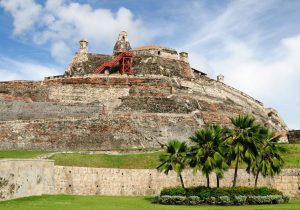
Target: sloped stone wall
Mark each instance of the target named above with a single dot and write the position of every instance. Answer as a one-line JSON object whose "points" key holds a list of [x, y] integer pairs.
{"points": [[98, 111]]}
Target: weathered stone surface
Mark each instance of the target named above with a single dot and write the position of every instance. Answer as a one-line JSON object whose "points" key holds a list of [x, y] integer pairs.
{"points": [[91, 112], [25, 177], [294, 136], [100, 181], [122, 43]]}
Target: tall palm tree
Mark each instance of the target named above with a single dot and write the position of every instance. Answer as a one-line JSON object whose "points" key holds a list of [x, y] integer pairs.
{"points": [[269, 161], [244, 147], [174, 158], [207, 153]]}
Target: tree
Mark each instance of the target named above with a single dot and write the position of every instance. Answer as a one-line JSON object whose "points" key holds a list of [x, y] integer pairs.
{"points": [[244, 147], [206, 154], [269, 161], [174, 158]]}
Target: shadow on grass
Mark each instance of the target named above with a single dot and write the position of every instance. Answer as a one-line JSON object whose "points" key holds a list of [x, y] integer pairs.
{"points": [[149, 199]]}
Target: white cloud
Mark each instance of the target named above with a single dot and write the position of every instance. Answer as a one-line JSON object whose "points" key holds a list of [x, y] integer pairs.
{"points": [[60, 51], [63, 23], [25, 14], [20, 70], [233, 44]]}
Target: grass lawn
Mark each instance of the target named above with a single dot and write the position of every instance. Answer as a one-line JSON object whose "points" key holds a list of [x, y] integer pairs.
{"points": [[135, 161], [292, 157], [21, 153], [148, 160], [67, 202]]}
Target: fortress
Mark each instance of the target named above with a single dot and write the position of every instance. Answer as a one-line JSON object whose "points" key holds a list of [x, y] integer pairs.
{"points": [[134, 98], [157, 97]]}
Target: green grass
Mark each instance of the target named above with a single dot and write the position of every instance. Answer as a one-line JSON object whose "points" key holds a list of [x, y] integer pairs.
{"points": [[292, 157], [135, 161], [67, 202], [148, 160], [21, 153]]}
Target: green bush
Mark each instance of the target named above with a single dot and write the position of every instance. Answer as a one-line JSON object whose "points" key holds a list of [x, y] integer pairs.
{"points": [[202, 192], [263, 191], [286, 199], [221, 200], [269, 199], [173, 191], [172, 200], [224, 201], [239, 200], [211, 200], [194, 200], [205, 192]]}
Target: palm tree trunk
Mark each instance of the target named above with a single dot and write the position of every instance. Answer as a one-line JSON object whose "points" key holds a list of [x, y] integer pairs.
{"points": [[181, 180], [207, 180], [218, 181], [256, 178], [235, 171]]}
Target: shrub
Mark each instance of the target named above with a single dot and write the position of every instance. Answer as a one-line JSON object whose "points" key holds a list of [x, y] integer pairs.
{"points": [[224, 201], [173, 191], [205, 192], [269, 199], [263, 191], [211, 200], [179, 200], [202, 192], [239, 200], [172, 200], [221, 200], [286, 199], [194, 200]]}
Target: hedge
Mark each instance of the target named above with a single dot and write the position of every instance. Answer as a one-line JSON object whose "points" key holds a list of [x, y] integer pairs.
{"points": [[221, 200], [205, 192]]}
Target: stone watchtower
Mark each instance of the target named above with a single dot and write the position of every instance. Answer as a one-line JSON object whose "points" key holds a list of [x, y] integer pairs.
{"points": [[83, 46], [122, 43]]}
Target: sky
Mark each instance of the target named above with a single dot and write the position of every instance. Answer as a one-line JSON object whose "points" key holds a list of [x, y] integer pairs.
{"points": [[255, 44]]}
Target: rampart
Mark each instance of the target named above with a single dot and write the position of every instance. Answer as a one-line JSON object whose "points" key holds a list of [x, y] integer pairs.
{"points": [[21, 178], [113, 111]]}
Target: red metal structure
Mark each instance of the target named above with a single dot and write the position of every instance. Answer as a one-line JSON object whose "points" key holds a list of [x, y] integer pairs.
{"points": [[125, 61]]}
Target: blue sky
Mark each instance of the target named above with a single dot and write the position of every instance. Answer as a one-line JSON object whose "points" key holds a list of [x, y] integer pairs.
{"points": [[255, 44]]}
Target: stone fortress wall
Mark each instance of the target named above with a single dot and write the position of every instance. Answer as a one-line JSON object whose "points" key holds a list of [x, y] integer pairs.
{"points": [[162, 100], [116, 111], [21, 178]]}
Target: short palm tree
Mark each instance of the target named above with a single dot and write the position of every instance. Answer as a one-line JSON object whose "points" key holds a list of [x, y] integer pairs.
{"points": [[207, 153], [174, 158], [269, 161], [244, 147]]}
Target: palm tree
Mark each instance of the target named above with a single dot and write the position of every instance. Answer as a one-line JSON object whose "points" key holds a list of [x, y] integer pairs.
{"points": [[244, 147], [174, 158], [207, 153], [269, 161]]}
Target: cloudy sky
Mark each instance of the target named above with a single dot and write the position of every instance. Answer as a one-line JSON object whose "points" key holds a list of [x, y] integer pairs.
{"points": [[255, 44]]}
